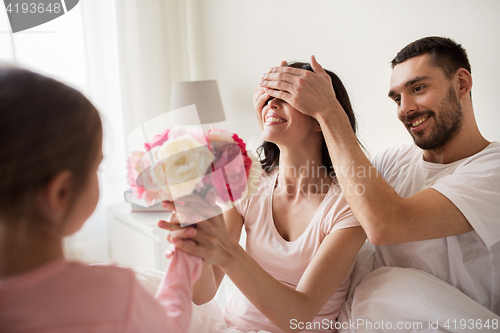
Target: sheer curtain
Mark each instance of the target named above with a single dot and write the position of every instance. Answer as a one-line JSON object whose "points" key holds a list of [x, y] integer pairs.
{"points": [[6, 38], [123, 54], [57, 49], [153, 40], [135, 49]]}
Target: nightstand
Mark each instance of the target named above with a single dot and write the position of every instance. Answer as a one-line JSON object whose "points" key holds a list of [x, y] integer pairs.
{"points": [[135, 238]]}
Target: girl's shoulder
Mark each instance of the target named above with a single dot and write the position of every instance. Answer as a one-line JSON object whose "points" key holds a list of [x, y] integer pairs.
{"points": [[63, 292]]}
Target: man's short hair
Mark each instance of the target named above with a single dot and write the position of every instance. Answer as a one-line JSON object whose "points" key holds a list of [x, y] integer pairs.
{"points": [[445, 54]]}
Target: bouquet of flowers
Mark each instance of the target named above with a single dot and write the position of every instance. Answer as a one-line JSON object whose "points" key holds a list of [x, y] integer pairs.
{"points": [[180, 163]]}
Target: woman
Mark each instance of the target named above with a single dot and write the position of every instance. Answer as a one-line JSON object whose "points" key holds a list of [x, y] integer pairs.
{"points": [[302, 238]]}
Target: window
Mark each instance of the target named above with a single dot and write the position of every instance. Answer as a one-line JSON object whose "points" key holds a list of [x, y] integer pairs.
{"points": [[55, 48], [58, 49]]}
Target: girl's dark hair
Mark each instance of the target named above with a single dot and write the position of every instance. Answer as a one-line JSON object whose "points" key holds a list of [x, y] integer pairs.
{"points": [[269, 152], [45, 127]]}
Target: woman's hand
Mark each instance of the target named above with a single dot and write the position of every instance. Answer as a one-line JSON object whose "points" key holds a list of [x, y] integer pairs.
{"points": [[171, 225], [307, 92], [193, 208], [208, 239]]}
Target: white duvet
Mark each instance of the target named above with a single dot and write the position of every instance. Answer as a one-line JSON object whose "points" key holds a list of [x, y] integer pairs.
{"points": [[389, 299], [206, 318], [392, 299]]}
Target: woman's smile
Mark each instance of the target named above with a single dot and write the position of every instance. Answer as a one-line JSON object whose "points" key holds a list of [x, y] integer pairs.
{"points": [[274, 119]]}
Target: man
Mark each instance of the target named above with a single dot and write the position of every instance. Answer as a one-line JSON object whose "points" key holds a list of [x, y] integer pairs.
{"points": [[435, 205]]}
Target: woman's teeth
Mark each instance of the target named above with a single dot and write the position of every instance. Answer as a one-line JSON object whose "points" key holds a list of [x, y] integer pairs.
{"points": [[274, 120]]}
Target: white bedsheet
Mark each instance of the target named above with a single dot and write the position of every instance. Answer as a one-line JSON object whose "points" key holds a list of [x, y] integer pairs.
{"points": [[206, 318], [389, 299], [392, 299]]}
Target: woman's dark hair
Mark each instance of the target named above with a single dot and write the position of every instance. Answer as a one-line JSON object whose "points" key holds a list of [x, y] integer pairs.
{"points": [[271, 152], [45, 127]]}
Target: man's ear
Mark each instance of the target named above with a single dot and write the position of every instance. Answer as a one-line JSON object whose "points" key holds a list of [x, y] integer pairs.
{"points": [[464, 82]]}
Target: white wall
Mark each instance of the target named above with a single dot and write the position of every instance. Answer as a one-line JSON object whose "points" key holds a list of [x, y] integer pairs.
{"points": [[239, 40]]}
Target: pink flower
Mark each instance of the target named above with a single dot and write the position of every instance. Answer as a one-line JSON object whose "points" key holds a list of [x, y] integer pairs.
{"points": [[198, 135], [219, 135], [246, 159], [231, 158], [140, 179], [133, 170], [176, 132], [229, 177], [226, 157], [158, 140]]}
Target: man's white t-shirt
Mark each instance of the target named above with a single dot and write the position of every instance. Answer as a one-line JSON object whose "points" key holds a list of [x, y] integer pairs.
{"points": [[470, 261]]}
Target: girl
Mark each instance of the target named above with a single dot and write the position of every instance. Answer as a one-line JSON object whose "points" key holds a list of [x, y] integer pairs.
{"points": [[302, 238], [51, 138]]}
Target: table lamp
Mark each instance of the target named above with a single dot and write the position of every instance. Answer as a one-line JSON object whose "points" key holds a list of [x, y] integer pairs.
{"points": [[204, 95]]}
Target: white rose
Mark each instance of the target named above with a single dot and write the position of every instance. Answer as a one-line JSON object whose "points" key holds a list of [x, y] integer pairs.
{"points": [[181, 165]]}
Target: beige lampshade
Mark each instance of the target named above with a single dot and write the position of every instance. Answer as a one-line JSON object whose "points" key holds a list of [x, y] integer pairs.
{"points": [[204, 95]]}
